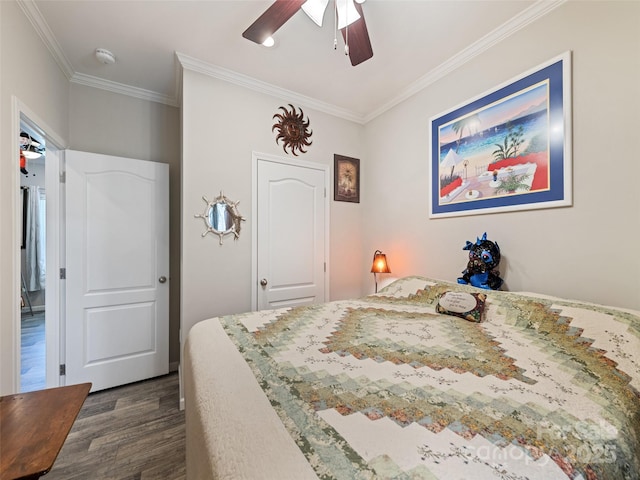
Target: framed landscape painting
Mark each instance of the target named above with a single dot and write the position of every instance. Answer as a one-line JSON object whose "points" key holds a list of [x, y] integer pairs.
{"points": [[508, 149]]}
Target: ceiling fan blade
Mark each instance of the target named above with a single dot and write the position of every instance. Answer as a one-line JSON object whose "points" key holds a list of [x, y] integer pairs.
{"points": [[271, 20], [357, 37]]}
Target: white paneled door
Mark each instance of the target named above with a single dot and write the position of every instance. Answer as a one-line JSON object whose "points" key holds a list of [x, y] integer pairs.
{"points": [[117, 270], [292, 236]]}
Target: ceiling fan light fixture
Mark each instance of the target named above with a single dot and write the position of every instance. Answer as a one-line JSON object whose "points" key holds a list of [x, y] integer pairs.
{"points": [[269, 42], [347, 13], [315, 10], [30, 147], [31, 153]]}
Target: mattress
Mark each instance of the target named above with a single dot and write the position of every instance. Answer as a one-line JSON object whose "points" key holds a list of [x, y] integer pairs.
{"points": [[426, 379]]}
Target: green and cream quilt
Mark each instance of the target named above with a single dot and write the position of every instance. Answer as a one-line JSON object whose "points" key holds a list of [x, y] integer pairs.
{"points": [[386, 387]]}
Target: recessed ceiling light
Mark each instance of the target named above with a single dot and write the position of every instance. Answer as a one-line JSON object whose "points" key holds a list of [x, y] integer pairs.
{"points": [[269, 42]]}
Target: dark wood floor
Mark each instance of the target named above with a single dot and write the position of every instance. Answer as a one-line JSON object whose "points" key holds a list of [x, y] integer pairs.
{"points": [[134, 432], [32, 352]]}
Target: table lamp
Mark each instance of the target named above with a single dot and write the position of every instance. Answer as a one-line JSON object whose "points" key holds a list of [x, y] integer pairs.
{"points": [[379, 266]]}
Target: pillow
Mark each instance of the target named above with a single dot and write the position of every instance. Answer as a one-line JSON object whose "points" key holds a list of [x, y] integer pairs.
{"points": [[461, 304]]}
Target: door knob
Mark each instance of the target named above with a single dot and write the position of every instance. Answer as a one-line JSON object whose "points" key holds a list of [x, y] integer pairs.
{"points": [[162, 279], [263, 282]]}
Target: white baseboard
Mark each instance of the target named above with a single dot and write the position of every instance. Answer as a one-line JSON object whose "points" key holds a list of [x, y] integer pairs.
{"points": [[181, 403]]}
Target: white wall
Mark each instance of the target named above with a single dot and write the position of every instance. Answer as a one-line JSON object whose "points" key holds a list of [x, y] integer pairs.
{"points": [[113, 124], [29, 73], [588, 251], [222, 124]]}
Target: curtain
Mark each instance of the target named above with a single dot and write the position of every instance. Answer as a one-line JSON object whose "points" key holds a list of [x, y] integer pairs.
{"points": [[35, 239]]}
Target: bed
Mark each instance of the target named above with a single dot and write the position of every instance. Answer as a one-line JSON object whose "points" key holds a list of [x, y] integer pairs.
{"points": [[424, 380]]}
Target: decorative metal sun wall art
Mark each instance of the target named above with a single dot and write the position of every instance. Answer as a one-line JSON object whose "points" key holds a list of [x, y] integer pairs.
{"points": [[293, 130], [221, 217]]}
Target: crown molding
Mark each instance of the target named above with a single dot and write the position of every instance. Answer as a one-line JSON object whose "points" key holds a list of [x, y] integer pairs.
{"points": [[526, 17], [195, 65], [121, 88], [32, 12]]}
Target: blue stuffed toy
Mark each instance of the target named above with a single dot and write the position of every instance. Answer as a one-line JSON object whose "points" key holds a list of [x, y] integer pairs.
{"points": [[482, 268]]}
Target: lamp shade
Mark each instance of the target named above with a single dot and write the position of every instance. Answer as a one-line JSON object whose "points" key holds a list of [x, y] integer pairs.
{"points": [[315, 10], [380, 263], [347, 13], [31, 153]]}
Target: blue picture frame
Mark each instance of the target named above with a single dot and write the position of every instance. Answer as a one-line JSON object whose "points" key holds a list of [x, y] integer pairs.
{"points": [[507, 149]]}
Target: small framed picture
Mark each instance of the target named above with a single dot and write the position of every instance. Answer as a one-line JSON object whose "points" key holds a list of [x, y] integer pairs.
{"points": [[346, 179]]}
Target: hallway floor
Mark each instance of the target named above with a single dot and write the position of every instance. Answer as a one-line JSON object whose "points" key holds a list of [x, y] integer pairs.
{"points": [[32, 358]]}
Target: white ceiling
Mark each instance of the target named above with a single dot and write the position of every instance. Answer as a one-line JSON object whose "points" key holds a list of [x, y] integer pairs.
{"points": [[414, 43]]}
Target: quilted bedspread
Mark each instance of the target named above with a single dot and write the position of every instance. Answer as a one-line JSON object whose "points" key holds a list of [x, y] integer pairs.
{"points": [[385, 387]]}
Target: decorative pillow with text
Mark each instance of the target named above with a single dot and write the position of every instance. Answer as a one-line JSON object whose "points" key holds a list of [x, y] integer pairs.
{"points": [[469, 306]]}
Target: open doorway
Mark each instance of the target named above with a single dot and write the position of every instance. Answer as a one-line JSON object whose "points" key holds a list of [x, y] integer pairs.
{"points": [[38, 254], [33, 261]]}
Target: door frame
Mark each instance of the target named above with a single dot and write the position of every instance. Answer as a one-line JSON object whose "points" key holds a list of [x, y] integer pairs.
{"points": [[265, 157], [21, 112]]}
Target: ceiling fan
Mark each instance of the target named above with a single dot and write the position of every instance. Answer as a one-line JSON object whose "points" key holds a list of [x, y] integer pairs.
{"points": [[349, 19]]}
